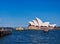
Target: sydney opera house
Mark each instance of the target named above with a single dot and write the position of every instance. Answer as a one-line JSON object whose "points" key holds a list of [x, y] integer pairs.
{"points": [[39, 24]]}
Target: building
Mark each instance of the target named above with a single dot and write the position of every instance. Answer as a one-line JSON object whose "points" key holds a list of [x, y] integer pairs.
{"points": [[38, 24]]}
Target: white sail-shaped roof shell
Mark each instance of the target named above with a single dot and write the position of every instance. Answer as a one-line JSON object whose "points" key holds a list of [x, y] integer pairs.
{"points": [[35, 22], [45, 24], [31, 23], [53, 25], [39, 21]]}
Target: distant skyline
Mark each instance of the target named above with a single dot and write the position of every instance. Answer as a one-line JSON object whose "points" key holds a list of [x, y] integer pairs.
{"points": [[17, 13]]}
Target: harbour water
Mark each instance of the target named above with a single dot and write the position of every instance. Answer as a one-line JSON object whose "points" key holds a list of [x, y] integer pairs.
{"points": [[32, 37]]}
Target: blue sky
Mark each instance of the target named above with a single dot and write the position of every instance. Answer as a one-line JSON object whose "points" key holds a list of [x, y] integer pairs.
{"points": [[16, 13]]}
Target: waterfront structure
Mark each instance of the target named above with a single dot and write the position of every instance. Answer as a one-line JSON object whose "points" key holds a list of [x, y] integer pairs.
{"points": [[38, 24], [5, 31]]}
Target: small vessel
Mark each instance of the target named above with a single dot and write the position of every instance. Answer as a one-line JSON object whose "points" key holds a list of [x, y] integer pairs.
{"points": [[19, 28]]}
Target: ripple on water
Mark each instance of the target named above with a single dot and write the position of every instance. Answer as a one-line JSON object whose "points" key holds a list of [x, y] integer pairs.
{"points": [[32, 37]]}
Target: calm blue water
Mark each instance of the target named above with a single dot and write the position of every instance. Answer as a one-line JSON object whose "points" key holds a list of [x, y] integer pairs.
{"points": [[32, 37]]}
